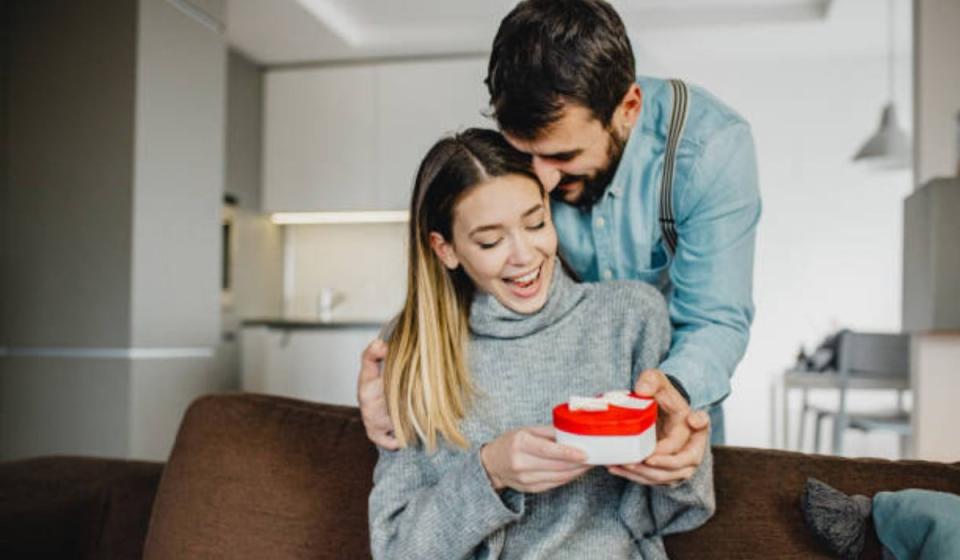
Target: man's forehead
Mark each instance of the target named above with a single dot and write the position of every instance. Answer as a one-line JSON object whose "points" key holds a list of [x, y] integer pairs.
{"points": [[569, 133]]}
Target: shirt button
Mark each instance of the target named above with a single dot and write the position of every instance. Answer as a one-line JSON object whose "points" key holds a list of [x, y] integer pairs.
{"points": [[600, 222], [607, 274]]}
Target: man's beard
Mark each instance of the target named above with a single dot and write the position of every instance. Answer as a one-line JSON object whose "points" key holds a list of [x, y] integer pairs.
{"points": [[593, 188]]}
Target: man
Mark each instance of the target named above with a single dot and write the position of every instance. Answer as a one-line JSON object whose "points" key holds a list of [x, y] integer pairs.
{"points": [[563, 89]]}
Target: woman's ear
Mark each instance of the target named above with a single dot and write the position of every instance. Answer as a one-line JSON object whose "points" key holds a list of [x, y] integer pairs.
{"points": [[444, 251]]}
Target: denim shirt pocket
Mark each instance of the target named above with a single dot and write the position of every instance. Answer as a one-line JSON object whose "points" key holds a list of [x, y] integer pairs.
{"points": [[657, 272]]}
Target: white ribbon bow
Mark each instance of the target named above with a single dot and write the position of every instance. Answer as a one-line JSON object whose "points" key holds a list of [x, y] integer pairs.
{"points": [[603, 402]]}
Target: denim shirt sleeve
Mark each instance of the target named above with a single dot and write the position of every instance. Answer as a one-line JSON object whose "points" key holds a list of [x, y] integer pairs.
{"points": [[711, 307]]}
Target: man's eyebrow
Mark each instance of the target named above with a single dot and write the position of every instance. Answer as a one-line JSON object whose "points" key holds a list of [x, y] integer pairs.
{"points": [[570, 154], [533, 209]]}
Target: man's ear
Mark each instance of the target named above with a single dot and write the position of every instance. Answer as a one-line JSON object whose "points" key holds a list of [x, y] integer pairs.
{"points": [[444, 251], [629, 109]]}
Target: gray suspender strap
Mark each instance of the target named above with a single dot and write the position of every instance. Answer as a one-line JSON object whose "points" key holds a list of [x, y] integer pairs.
{"points": [[678, 118]]}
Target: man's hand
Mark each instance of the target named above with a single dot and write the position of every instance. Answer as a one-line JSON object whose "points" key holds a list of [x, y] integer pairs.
{"points": [[530, 460], [373, 405], [682, 435]]}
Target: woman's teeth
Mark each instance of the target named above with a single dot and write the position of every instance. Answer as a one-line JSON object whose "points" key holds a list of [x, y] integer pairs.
{"points": [[527, 279]]}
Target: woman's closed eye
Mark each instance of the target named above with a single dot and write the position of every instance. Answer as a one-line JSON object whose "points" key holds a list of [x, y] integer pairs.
{"points": [[489, 244], [538, 225]]}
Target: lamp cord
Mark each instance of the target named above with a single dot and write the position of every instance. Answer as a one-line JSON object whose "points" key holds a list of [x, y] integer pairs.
{"points": [[890, 48]]}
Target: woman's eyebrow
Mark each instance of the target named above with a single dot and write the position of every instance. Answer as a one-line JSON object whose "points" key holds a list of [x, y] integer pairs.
{"points": [[533, 209], [480, 229]]}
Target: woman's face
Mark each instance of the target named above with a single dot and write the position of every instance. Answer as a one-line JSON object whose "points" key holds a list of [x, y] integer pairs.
{"points": [[505, 241]]}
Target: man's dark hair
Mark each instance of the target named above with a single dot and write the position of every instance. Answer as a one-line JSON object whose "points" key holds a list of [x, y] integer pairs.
{"points": [[547, 52]]}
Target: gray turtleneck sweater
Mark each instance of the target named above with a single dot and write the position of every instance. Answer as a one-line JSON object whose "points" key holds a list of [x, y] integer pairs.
{"points": [[587, 339]]}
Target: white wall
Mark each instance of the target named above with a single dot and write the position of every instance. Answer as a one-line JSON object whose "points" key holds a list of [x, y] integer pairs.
{"points": [[178, 187], [178, 179]]}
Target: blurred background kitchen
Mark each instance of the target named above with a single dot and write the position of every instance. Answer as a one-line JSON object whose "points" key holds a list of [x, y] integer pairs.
{"points": [[210, 195]]}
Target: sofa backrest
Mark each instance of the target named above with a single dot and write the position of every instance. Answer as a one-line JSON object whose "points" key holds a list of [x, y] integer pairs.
{"points": [[256, 476], [75, 507], [758, 500]]}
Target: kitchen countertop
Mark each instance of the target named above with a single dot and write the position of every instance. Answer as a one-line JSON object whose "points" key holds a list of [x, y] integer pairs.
{"points": [[308, 324]]}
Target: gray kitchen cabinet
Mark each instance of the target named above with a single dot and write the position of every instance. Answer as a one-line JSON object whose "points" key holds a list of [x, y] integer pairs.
{"points": [[351, 137], [320, 130], [931, 257], [417, 103]]}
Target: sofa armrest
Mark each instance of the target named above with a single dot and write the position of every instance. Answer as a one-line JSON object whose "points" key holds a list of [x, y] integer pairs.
{"points": [[75, 507]]}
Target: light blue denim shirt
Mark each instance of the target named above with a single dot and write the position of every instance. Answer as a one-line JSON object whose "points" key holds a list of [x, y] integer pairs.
{"points": [[716, 204]]}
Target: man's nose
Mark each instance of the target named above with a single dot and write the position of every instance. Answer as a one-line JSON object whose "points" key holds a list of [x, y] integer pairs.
{"points": [[548, 174]]}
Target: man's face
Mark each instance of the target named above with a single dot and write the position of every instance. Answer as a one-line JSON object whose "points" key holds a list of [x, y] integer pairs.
{"points": [[576, 157]]}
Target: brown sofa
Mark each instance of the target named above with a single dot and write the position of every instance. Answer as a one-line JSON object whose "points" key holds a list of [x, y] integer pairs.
{"points": [[254, 476]]}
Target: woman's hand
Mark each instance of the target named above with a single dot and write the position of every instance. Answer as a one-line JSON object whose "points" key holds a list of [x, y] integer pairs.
{"points": [[682, 435], [530, 460], [373, 405]]}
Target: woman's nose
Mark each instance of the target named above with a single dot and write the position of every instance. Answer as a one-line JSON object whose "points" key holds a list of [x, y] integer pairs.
{"points": [[548, 174], [523, 250]]}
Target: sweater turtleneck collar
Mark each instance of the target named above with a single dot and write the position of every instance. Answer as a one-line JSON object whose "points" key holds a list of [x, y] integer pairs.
{"points": [[489, 317]]}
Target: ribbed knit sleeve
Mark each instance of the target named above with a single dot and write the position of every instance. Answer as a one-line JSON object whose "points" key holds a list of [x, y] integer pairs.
{"points": [[416, 512], [652, 512], [653, 339]]}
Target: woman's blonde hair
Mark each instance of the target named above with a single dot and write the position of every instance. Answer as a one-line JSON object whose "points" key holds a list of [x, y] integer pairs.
{"points": [[426, 379]]}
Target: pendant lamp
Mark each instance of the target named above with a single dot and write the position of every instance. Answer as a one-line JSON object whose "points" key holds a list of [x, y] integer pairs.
{"points": [[888, 147]]}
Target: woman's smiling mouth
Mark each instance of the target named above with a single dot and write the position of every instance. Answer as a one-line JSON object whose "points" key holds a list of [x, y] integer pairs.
{"points": [[526, 285]]}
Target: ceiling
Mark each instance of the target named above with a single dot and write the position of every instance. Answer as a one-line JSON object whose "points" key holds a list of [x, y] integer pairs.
{"points": [[281, 32]]}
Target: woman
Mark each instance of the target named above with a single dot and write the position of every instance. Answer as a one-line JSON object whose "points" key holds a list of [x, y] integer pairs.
{"points": [[492, 335]]}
